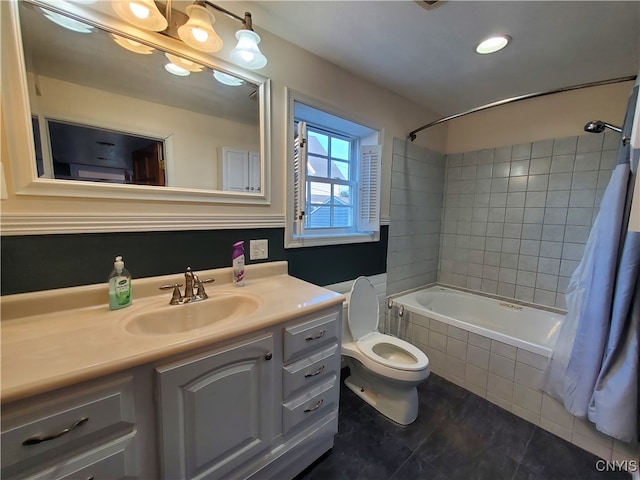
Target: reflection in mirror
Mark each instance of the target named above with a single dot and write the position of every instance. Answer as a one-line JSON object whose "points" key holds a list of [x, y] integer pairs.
{"points": [[106, 108]]}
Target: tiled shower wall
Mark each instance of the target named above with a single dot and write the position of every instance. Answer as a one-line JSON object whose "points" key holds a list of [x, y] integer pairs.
{"points": [[417, 185], [516, 219]]}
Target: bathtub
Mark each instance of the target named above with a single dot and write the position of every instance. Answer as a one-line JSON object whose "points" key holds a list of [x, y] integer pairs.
{"points": [[524, 327]]}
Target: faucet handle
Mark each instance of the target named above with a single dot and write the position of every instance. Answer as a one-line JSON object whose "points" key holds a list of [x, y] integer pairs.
{"points": [[176, 296], [200, 287]]}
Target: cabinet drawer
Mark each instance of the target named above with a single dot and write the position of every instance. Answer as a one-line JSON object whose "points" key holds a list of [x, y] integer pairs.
{"points": [[55, 427], [110, 461], [310, 406], [303, 338], [310, 370]]}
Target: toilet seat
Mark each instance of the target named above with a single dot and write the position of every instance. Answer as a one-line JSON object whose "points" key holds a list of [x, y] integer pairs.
{"points": [[368, 346], [392, 352]]}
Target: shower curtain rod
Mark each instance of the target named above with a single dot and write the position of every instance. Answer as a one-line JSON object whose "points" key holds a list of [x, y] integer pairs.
{"points": [[412, 135]]}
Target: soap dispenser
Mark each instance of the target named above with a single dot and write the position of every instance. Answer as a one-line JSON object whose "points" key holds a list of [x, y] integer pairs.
{"points": [[119, 286]]}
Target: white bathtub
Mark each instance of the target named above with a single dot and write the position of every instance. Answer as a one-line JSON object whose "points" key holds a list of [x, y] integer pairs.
{"points": [[523, 327]]}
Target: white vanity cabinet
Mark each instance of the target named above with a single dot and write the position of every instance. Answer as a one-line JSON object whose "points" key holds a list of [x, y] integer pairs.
{"points": [[79, 433], [264, 406], [215, 409]]}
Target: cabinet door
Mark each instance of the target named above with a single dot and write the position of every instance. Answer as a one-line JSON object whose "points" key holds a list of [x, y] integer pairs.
{"points": [[235, 176], [216, 409], [254, 172]]}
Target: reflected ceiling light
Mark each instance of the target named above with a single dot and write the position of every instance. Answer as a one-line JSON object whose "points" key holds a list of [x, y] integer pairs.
{"points": [[141, 13], [197, 31], [227, 79], [184, 63], [493, 44], [174, 69], [66, 22], [132, 45]]}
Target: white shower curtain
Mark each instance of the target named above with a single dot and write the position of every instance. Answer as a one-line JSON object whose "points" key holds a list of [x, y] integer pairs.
{"points": [[594, 368]]}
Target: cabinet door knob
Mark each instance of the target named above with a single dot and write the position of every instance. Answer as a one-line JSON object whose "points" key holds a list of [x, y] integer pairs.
{"points": [[268, 356], [45, 438]]}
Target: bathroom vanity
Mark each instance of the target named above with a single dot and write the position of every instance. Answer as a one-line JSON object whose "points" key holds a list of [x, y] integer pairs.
{"points": [[93, 393]]}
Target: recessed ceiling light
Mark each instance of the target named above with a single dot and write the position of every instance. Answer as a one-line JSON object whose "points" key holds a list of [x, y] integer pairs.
{"points": [[493, 44]]}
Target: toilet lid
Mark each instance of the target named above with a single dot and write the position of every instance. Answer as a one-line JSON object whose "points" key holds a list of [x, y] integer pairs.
{"points": [[363, 308]]}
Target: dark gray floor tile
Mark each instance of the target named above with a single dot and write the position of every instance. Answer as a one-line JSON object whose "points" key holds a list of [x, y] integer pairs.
{"points": [[459, 453], [551, 458], [439, 394], [415, 468], [502, 430]]}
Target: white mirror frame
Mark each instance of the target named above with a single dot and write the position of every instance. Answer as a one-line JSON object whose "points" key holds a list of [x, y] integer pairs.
{"points": [[19, 134]]}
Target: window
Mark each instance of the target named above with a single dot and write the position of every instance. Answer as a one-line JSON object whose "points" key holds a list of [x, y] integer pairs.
{"points": [[335, 171]]}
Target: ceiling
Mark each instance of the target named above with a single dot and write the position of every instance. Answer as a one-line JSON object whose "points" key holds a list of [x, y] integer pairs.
{"points": [[427, 54]]}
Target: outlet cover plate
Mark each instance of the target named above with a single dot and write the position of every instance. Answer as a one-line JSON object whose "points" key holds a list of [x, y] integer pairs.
{"points": [[258, 249]]}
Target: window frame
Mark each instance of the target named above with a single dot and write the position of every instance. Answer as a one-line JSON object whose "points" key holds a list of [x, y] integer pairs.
{"points": [[353, 235]]}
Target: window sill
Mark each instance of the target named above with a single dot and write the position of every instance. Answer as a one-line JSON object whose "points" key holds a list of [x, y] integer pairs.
{"points": [[320, 240]]}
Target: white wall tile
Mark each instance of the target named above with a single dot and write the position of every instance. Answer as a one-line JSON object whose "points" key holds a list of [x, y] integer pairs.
{"points": [[554, 411], [527, 398], [503, 349], [528, 376], [502, 366], [457, 348], [478, 357], [500, 387], [480, 341]]}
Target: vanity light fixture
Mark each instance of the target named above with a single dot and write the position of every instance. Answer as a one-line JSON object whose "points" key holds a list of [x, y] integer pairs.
{"points": [[132, 45], [66, 22], [141, 13], [184, 64], [197, 31], [227, 79], [493, 44]]}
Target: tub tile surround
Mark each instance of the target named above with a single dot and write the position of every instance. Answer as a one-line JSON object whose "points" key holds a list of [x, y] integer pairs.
{"points": [[516, 219], [417, 186], [506, 376]]}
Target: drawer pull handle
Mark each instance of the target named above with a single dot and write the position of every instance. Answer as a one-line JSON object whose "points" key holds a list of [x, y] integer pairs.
{"points": [[316, 336], [45, 438], [317, 372], [315, 407]]}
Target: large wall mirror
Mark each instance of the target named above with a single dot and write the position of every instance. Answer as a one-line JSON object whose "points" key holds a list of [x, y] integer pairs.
{"points": [[117, 113]]}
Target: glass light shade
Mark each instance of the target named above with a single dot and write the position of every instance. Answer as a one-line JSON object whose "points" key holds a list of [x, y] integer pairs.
{"points": [[198, 32], [247, 54], [227, 79], [184, 63], [493, 44], [132, 45], [141, 13], [174, 69], [66, 22]]}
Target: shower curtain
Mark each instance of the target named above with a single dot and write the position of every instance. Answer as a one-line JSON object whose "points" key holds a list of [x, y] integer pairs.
{"points": [[594, 367]]}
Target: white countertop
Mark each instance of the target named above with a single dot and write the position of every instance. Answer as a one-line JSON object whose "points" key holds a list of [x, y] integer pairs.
{"points": [[61, 337]]}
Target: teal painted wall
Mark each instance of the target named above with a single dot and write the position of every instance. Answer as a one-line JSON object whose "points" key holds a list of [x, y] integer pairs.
{"points": [[42, 262]]}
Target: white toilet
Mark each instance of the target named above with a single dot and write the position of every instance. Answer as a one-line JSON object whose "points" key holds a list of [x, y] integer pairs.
{"points": [[385, 370]]}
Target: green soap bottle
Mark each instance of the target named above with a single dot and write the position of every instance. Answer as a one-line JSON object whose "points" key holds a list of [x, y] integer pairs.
{"points": [[119, 286]]}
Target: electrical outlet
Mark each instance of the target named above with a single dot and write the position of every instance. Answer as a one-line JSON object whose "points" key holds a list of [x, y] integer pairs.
{"points": [[258, 249]]}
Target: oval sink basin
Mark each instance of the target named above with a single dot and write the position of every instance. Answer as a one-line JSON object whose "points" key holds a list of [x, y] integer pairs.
{"points": [[174, 319]]}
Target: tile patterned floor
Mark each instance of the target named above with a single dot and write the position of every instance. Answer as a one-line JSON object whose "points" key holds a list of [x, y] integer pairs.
{"points": [[457, 435]]}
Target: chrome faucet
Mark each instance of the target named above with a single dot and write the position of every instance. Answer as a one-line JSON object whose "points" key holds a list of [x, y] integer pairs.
{"points": [[191, 280]]}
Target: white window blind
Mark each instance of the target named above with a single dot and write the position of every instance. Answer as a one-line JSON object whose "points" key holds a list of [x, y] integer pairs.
{"points": [[369, 188], [300, 178]]}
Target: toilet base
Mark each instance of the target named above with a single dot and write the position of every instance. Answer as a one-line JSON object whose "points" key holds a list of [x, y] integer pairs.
{"points": [[396, 400]]}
